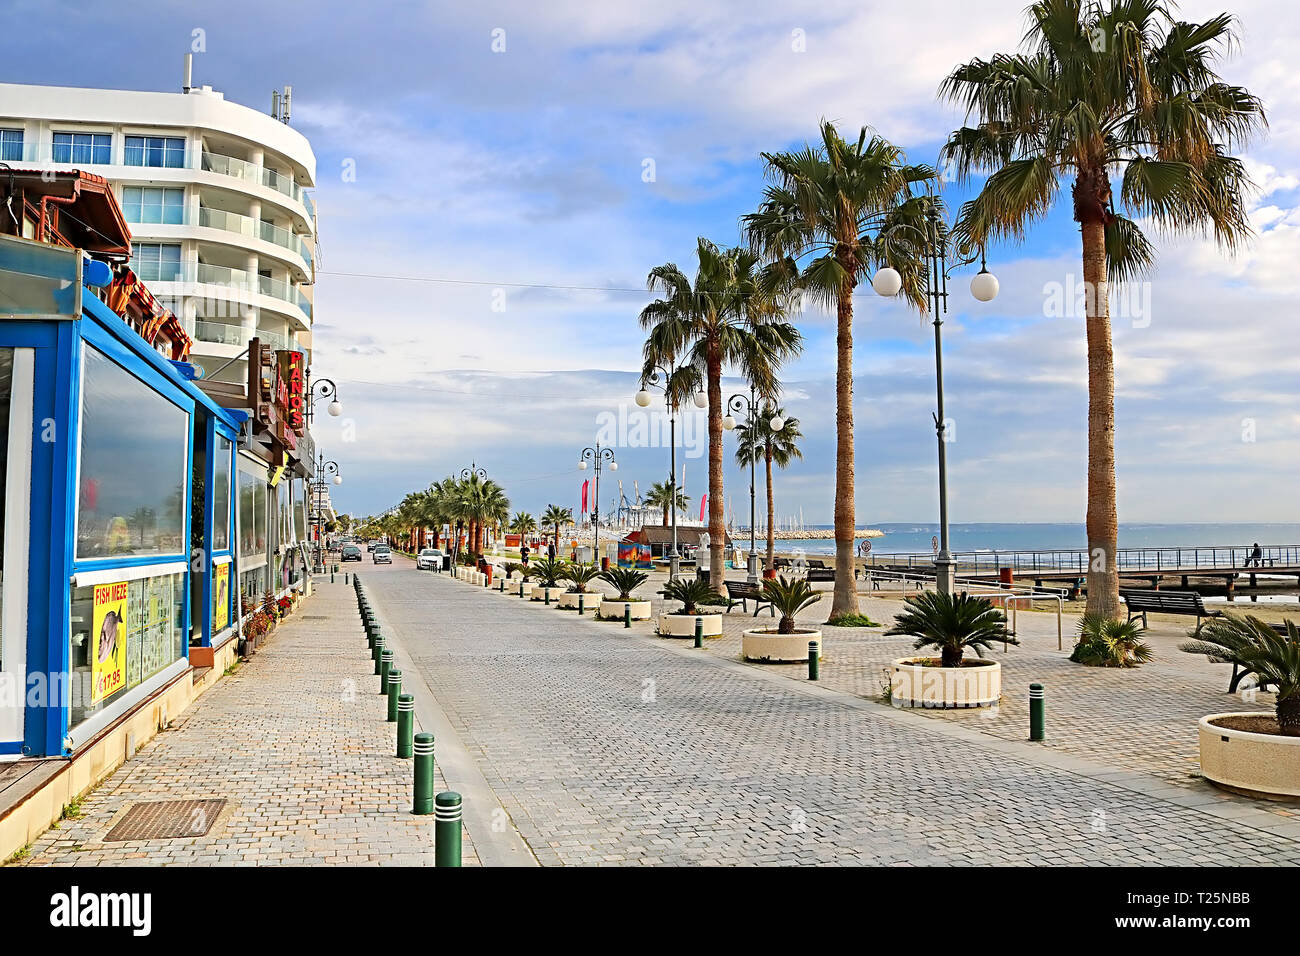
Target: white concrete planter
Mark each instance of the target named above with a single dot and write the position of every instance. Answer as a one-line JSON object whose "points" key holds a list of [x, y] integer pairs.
{"points": [[569, 599], [683, 625], [521, 589], [1266, 765], [975, 684], [545, 594], [614, 608], [773, 648]]}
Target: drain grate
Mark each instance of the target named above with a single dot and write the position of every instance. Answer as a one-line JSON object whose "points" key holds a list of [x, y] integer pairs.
{"points": [[315, 617], [167, 820]]}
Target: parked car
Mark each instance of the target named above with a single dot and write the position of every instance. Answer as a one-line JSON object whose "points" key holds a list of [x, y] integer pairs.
{"points": [[429, 559], [350, 553], [382, 554]]}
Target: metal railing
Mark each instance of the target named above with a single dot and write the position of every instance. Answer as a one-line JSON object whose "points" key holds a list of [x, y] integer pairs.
{"points": [[223, 333], [254, 228], [1209, 557]]}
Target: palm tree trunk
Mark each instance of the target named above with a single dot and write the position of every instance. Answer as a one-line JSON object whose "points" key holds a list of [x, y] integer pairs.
{"points": [[771, 506], [1102, 523], [717, 528], [845, 598]]}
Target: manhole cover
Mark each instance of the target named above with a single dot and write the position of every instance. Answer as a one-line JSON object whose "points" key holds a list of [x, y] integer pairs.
{"points": [[167, 820], [315, 617]]}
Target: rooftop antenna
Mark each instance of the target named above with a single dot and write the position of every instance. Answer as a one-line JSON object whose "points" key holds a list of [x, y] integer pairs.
{"points": [[275, 104], [286, 104]]}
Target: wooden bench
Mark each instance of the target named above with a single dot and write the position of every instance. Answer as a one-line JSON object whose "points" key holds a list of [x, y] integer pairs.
{"points": [[820, 574], [744, 592], [1188, 603]]}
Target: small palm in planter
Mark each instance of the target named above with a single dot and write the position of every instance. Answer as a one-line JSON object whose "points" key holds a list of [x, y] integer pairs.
{"points": [[579, 576], [1255, 647], [692, 592], [548, 572], [787, 644], [953, 623], [789, 596], [626, 580], [1105, 642], [516, 569]]}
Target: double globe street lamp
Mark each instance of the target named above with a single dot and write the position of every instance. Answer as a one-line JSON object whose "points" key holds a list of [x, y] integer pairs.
{"points": [[320, 389], [597, 456], [984, 288], [663, 378], [323, 469], [750, 406]]}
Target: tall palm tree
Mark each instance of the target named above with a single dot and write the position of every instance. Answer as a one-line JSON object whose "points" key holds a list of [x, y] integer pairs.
{"points": [[659, 495], [757, 442], [554, 518], [1102, 89], [827, 207], [733, 314], [523, 524]]}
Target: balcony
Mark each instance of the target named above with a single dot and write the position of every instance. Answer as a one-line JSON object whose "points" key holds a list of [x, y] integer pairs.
{"points": [[242, 285], [254, 229], [222, 333], [251, 173]]}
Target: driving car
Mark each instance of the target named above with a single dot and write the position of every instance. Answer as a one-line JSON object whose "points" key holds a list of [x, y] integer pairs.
{"points": [[350, 553], [381, 554], [429, 559]]}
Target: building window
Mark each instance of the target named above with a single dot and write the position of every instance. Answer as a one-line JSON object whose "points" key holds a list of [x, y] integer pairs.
{"points": [[157, 261], [148, 204], [133, 468], [167, 151], [90, 148], [252, 518], [11, 145], [221, 496]]}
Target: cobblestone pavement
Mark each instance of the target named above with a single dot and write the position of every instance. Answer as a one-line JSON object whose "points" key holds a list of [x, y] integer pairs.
{"points": [[612, 746], [296, 740]]}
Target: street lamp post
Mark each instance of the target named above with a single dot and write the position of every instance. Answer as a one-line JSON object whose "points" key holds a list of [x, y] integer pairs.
{"points": [[597, 456], [643, 399], [984, 287], [473, 471], [749, 405], [323, 388], [323, 468]]}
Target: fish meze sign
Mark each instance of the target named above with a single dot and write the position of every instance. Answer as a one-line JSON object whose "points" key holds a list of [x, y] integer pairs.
{"points": [[108, 651]]}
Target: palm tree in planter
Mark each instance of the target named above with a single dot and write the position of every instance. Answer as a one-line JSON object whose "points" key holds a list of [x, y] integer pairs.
{"points": [[954, 624], [692, 593], [787, 643], [1258, 753], [1125, 91], [549, 572], [579, 576], [1105, 642], [626, 580], [757, 442]]}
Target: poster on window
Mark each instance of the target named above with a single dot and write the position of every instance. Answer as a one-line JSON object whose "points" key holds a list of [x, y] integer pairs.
{"points": [[221, 599], [156, 652], [108, 655]]}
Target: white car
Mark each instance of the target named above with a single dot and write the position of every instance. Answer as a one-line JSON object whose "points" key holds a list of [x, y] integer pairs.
{"points": [[430, 559]]}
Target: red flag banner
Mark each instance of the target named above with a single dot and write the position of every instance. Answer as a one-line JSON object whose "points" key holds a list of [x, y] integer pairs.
{"points": [[704, 501], [584, 495]]}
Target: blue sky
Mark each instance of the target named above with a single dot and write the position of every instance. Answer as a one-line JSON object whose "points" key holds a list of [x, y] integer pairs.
{"points": [[519, 175]]}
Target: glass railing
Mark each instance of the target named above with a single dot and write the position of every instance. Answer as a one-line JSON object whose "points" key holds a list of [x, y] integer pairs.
{"points": [[246, 226], [223, 333], [304, 303], [235, 280], [242, 169]]}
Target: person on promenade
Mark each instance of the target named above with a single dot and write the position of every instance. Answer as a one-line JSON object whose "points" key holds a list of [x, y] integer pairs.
{"points": [[1256, 556], [523, 553]]}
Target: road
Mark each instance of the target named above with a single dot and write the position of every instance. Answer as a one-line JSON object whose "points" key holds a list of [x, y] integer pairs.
{"points": [[609, 746]]}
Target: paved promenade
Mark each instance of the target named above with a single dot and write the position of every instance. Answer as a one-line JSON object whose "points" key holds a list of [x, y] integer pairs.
{"points": [[296, 740]]}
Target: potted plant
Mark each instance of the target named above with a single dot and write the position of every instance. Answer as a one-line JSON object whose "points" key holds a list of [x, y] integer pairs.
{"points": [[1106, 642], [953, 624], [578, 594], [692, 593], [626, 580], [786, 643], [549, 573], [1254, 752]]}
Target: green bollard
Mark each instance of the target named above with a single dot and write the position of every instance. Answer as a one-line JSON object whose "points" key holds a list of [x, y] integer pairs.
{"points": [[814, 662], [1037, 712], [394, 691], [699, 632], [423, 749], [546, 595], [331, 575], [581, 596], [345, 576], [627, 615], [385, 665], [405, 725], [521, 588], [376, 651], [446, 829]]}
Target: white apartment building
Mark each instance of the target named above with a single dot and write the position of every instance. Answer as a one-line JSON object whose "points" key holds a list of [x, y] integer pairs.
{"points": [[215, 195]]}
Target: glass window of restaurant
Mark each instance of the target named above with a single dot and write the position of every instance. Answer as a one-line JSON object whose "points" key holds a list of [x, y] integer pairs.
{"points": [[127, 611], [222, 566], [251, 490]]}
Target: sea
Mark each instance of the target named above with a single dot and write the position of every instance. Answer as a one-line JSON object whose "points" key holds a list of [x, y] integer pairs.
{"points": [[915, 538]]}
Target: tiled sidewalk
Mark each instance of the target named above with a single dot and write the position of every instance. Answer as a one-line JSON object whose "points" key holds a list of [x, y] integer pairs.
{"points": [[296, 740]]}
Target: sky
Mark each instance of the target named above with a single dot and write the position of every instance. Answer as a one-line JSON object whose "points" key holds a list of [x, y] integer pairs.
{"points": [[495, 181]]}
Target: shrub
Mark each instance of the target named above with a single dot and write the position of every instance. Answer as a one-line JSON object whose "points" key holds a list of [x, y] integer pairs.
{"points": [[515, 567], [549, 572], [1252, 644], [789, 596], [626, 580], [692, 592], [953, 624], [1104, 642], [579, 576]]}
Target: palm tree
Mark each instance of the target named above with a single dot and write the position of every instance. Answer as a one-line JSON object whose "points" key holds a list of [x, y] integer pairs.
{"points": [[733, 314], [828, 206], [1258, 649], [1101, 89], [954, 623], [660, 496], [554, 518], [757, 442], [523, 524]]}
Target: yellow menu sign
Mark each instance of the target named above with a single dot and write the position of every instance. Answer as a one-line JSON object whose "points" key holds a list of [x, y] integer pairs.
{"points": [[221, 603], [108, 647]]}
